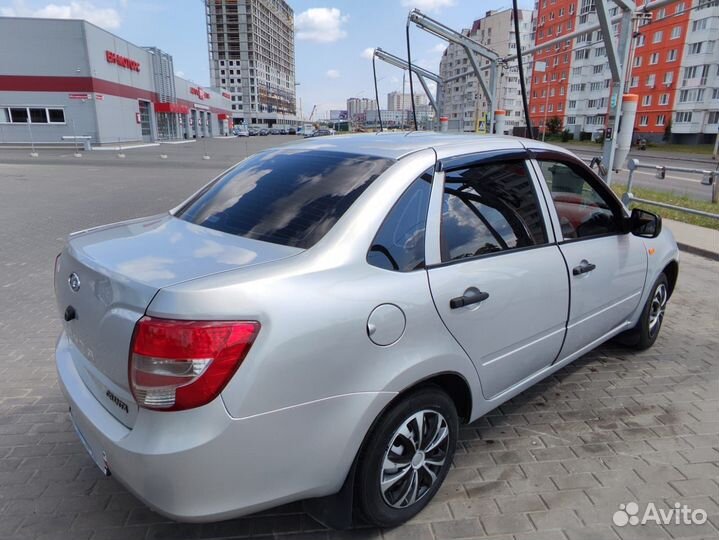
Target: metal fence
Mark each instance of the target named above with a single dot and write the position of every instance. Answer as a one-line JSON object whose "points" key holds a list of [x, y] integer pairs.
{"points": [[709, 178]]}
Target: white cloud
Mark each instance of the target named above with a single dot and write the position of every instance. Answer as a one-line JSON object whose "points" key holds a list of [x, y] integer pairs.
{"points": [[180, 74], [368, 53], [428, 5], [332, 74], [321, 25], [80, 9], [438, 48]]}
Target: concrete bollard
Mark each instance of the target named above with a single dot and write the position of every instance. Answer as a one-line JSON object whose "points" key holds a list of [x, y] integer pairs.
{"points": [[500, 121]]}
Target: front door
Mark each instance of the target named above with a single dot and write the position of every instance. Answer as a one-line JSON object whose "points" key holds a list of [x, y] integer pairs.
{"points": [[501, 287], [145, 122], [607, 267]]}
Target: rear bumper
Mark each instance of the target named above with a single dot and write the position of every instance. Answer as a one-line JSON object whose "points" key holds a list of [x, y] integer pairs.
{"points": [[203, 465]]}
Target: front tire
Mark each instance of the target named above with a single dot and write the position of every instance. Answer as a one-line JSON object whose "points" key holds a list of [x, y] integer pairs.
{"points": [[646, 331], [407, 457]]}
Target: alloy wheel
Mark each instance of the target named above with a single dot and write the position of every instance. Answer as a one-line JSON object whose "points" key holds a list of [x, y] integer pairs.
{"points": [[415, 456], [657, 308]]}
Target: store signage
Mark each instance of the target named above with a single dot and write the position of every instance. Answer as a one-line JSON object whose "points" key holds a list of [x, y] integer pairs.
{"points": [[99, 97], [199, 92], [78, 96], [227, 95], [122, 61]]}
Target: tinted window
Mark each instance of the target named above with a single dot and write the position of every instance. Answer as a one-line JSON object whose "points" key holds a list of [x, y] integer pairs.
{"points": [[581, 209], [489, 208], [399, 244], [38, 116], [285, 197], [56, 115], [19, 115]]}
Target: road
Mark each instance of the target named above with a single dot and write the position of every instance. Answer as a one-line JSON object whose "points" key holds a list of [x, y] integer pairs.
{"points": [[681, 184], [554, 462]]}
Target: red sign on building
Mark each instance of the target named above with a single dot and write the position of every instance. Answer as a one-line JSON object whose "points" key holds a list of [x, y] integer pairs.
{"points": [[122, 61], [199, 92]]}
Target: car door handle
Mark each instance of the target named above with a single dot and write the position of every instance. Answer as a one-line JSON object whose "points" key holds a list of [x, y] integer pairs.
{"points": [[583, 268], [470, 296]]}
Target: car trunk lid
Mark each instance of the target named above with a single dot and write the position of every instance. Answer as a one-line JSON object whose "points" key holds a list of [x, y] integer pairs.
{"points": [[106, 278]]}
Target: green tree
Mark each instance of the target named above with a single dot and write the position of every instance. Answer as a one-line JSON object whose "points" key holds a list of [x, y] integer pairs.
{"points": [[554, 125]]}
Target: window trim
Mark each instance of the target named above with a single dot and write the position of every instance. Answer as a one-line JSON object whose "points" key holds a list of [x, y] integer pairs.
{"points": [[617, 207], [433, 254]]}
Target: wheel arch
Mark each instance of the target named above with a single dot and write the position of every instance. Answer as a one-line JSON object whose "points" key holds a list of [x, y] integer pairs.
{"points": [[671, 270]]}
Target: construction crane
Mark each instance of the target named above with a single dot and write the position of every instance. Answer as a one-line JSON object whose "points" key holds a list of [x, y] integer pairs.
{"points": [[314, 108]]}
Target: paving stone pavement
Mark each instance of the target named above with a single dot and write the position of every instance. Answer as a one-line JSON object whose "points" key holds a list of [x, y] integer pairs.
{"points": [[554, 463]]}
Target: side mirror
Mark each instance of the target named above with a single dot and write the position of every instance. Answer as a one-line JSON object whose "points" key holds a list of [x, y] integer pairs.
{"points": [[645, 224]]}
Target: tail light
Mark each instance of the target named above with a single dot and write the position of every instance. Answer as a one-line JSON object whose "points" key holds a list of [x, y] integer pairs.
{"points": [[177, 365]]}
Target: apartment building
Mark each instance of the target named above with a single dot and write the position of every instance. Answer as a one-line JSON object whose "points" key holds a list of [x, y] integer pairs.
{"points": [[252, 54], [463, 101], [359, 106], [674, 70], [552, 64], [397, 101], [696, 106]]}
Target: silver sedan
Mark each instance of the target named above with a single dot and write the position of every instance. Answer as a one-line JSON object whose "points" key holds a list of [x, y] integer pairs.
{"points": [[317, 322]]}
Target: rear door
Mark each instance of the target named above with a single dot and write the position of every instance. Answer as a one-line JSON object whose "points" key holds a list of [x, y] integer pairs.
{"points": [[607, 267], [500, 285]]}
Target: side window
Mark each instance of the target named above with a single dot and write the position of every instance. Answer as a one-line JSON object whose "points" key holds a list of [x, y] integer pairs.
{"points": [[399, 243], [489, 208], [582, 211]]}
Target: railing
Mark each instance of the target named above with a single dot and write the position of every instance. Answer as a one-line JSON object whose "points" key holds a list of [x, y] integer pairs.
{"points": [[709, 178]]}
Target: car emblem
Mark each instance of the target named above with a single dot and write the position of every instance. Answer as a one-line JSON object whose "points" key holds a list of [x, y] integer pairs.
{"points": [[74, 282]]}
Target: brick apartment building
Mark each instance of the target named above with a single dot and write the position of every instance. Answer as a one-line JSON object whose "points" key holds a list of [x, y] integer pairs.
{"points": [[674, 70]]}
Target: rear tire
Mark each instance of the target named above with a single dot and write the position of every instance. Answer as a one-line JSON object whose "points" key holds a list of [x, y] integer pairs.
{"points": [[407, 457], [646, 331]]}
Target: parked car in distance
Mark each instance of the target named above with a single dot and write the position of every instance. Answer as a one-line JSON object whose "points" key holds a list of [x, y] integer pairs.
{"points": [[291, 131], [254, 131], [241, 132], [264, 132], [319, 133], [318, 321]]}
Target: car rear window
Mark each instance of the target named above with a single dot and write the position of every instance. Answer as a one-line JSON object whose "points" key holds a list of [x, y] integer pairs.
{"points": [[283, 196]]}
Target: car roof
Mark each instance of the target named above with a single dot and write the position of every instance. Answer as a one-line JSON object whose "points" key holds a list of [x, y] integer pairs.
{"points": [[396, 145]]}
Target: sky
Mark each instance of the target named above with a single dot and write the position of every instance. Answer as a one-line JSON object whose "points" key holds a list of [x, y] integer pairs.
{"points": [[333, 38]]}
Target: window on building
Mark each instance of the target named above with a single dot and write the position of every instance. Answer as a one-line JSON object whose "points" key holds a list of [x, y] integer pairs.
{"points": [[651, 80], [635, 82], [676, 32], [668, 78], [19, 115], [700, 24], [654, 59], [637, 61], [572, 104], [672, 55], [647, 100], [598, 69], [644, 120], [38, 116], [683, 117], [713, 117], [658, 36], [641, 40], [664, 99], [696, 48], [571, 120], [661, 119]]}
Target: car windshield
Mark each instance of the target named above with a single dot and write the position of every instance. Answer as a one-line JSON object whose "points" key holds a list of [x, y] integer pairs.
{"points": [[283, 196]]}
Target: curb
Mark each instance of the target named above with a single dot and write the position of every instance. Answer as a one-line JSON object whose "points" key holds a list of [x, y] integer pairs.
{"points": [[712, 255]]}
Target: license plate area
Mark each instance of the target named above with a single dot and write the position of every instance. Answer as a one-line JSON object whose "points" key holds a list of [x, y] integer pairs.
{"points": [[97, 455]]}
